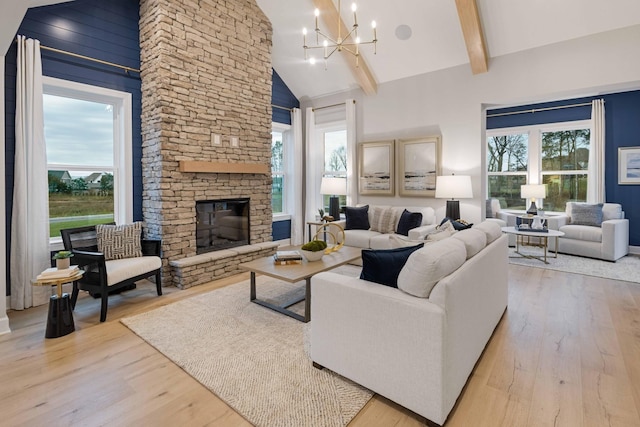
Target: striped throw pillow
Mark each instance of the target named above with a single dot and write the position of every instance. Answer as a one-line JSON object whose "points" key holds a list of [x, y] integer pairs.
{"points": [[383, 220], [119, 241]]}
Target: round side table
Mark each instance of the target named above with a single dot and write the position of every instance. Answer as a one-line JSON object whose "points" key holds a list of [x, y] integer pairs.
{"points": [[60, 318]]}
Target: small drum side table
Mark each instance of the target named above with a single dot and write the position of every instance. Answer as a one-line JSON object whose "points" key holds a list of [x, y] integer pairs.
{"points": [[60, 318]]}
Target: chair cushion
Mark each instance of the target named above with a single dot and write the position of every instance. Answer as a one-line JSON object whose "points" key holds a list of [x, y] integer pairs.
{"points": [[586, 214], [582, 232], [408, 220], [122, 269], [119, 241], [357, 218], [383, 266], [383, 219], [427, 266], [611, 211]]}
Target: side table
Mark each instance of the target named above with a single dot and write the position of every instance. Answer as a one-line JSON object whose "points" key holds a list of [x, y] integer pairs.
{"points": [[60, 318]]}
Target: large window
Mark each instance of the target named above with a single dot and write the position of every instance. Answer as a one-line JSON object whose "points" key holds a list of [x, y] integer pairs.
{"points": [[556, 155], [278, 197], [88, 139], [334, 138]]}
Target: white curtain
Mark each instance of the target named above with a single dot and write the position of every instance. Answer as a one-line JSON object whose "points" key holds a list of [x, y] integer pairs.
{"points": [[595, 181], [30, 220], [313, 175], [293, 164], [352, 166]]}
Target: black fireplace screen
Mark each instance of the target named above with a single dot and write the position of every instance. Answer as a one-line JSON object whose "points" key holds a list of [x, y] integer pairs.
{"points": [[221, 224]]}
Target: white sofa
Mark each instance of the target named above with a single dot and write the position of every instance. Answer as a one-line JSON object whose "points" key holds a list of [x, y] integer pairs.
{"points": [[418, 352], [369, 239], [608, 242]]}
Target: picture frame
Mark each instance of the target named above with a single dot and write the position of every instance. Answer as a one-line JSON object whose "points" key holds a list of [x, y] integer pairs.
{"points": [[629, 165], [418, 166], [376, 168]]}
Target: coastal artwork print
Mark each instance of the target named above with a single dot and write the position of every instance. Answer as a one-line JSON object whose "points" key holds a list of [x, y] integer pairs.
{"points": [[375, 175], [629, 165], [418, 166]]}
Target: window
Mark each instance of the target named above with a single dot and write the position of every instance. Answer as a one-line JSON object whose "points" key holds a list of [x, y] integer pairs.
{"points": [[88, 138], [556, 155], [334, 137], [278, 197]]}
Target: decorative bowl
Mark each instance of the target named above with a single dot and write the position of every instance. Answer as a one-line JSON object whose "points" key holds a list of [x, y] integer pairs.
{"points": [[312, 256]]}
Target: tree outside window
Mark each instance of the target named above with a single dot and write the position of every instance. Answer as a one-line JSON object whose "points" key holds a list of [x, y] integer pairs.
{"points": [[507, 163], [277, 172], [335, 160]]}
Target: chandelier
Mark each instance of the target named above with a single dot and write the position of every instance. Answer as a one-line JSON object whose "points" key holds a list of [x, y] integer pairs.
{"points": [[347, 43]]}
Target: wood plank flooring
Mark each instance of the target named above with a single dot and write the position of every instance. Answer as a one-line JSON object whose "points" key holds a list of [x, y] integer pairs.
{"points": [[566, 353]]}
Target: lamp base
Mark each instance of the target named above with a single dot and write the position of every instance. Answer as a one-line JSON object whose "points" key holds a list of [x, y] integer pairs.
{"points": [[334, 207], [533, 209], [453, 209]]}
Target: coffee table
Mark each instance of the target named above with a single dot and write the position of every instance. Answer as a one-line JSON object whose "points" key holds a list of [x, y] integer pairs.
{"points": [[297, 273], [538, 239]]}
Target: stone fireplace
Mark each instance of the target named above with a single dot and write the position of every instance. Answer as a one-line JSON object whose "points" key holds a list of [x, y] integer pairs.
{"points": [[206, 101], [222, 224]]}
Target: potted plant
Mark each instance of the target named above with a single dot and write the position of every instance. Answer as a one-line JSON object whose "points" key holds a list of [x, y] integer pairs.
{"points": [[63, 259], [314, 250]]}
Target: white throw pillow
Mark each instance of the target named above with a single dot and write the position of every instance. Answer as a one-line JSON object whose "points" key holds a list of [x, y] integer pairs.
{"points": [[383, 220], [490, 228], [396, 241], [474, 240], [427, 266]]}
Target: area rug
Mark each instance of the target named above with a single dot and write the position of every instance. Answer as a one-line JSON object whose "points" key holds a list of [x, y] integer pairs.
{"points": [[626, 268], [253, 358]]}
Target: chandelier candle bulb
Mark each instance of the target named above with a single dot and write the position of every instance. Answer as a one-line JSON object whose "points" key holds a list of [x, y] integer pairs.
{"points": [[355, 20]]}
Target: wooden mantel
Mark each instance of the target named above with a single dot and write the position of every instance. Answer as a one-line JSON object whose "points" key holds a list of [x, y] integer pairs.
{"points": [[217, 167]]}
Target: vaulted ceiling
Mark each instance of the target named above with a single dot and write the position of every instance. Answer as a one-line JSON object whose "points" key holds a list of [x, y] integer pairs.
{"points": [[414, 36], [421, 36]]}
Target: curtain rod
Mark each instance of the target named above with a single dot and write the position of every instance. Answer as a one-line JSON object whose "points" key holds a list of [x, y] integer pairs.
{"points": [[537, 110], [281, 107], [88, 58], [330, 106]]}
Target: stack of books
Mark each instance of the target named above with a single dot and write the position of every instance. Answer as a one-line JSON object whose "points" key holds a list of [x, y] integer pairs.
{"points": [[287, 257], [53, 273]]}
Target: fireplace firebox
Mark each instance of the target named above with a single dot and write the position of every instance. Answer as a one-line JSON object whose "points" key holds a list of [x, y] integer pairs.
{"points": [[221, 224]]}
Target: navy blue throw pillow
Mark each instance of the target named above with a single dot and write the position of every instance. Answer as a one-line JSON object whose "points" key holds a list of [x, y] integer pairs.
{"points": [[357, 218], [408, 220], [383, 265]]}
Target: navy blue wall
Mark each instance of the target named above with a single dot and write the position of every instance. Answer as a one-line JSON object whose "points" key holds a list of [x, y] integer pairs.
{"points": [[281, 96], [622, 122]]}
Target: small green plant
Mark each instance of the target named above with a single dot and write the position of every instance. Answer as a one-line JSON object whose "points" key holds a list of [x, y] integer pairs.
{"points": [[315, 246], [62, 255]]}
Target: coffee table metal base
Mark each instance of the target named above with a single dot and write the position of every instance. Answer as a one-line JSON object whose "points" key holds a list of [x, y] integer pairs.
{"points": [[543, 242], [284, 309]]}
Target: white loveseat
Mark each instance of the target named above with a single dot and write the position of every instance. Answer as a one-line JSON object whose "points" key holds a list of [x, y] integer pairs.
{"points": [[418, 352], [609, 241], [369, 239]]}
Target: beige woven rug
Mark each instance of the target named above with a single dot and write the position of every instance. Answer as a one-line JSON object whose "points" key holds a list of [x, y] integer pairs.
{"points": [[251, 357], [626, 268]]}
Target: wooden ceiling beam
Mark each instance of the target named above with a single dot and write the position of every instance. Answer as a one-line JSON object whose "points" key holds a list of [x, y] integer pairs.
{"points": [[330, 18], [473, 35]]}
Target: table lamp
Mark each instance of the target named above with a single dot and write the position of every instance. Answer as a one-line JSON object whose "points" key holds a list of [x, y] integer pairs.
{"points": [[334, 187], [453, 187], [533, 192]]}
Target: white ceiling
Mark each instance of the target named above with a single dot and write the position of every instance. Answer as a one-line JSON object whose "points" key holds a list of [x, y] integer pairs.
{"points": [[436, 42]]}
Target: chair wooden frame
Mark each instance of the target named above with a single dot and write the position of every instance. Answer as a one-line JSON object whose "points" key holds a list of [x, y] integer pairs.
{"points": [[93, 263]]}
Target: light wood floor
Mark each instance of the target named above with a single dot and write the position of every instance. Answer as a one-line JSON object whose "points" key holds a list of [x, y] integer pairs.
{"points": [[566, 353]]}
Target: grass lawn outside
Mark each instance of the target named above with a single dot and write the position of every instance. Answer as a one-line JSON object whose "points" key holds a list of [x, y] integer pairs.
{"points": [[69, 211]]}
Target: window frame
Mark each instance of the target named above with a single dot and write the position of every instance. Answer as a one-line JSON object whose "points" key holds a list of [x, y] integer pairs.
{"points": [[122, 141], [534, 173], [287, 150]]}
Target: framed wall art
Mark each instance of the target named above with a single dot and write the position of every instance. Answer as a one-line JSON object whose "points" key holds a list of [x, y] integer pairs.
{"points": [[418, 166], [376, 168], [629, 165]]}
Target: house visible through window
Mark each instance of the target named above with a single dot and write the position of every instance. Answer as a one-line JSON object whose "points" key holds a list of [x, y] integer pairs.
{"points": [[88, 155], [556, 155]]}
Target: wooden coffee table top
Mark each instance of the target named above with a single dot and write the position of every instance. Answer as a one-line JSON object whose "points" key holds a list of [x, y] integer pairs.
{"points": [[296, 272]]}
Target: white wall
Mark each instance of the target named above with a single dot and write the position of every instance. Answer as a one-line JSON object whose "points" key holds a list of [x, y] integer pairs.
{"points": [[452, 102]]}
